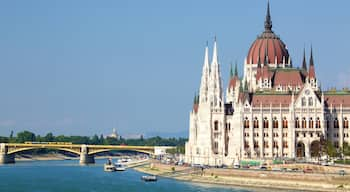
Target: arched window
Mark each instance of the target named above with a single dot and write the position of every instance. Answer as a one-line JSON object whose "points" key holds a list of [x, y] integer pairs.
{"points": [[346, 123], [256, 144], [246, 122], [266, 123], [275, 122], [275, 144], [311, 103], [256, 122], [318, 122], [246, 144], [303, 123], [285, 122], [303, 101], [311, 123], [285, 144], [216, 125], [297, 123], [336, 123]]}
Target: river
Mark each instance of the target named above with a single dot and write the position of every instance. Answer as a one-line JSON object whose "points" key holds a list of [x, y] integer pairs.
{"points": [[69, 176]]}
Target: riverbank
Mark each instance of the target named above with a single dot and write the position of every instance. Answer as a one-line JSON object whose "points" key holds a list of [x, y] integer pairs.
{"points": [[251, 178]]}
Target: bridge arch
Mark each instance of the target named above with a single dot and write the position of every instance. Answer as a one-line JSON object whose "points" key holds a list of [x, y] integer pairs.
{"points": [[94, 152], [15, 151]]}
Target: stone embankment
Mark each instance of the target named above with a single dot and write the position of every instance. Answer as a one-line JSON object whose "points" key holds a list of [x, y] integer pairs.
{"points": [[322, 178]]}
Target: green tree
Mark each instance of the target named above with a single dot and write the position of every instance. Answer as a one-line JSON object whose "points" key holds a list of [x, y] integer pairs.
{"points": [[346, 149], [331, 150], [95, 140], [4, 139], [102, 140], [49, 137], [25, 136]]}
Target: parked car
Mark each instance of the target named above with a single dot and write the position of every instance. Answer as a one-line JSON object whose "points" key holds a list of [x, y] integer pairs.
{"points": [[295, 169], [342, 172], [308, 170], [245, 166]]}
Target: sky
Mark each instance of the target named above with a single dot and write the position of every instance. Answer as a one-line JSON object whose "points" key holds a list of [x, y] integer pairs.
{"points": [[84, 67]]}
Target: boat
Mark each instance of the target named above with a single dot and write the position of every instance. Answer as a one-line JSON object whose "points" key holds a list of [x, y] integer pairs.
{"points": [[119, 167], [109, 167], [148, 178]]}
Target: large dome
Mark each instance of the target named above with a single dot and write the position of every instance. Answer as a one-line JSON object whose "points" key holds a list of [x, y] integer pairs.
{"points": [[268, 44]]}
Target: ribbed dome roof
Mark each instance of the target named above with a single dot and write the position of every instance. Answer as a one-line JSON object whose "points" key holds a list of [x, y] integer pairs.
{"points": [[268, 44]]}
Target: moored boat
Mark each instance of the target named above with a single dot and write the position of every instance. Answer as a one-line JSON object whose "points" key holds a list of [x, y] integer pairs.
{"points": [[119, 167], [149, 178], [109, 167]]}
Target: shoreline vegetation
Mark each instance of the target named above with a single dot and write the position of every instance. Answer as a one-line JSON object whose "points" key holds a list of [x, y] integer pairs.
{"points": [[255, 179]]}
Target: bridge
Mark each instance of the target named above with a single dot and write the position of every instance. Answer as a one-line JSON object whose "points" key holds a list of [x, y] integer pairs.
{"points": [[86, 152]]}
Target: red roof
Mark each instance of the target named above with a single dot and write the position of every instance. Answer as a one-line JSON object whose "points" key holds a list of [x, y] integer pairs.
{"points": [[288, 77], [195, 108], [275, 100], [233, 82], [312, 73], [337, 99]]}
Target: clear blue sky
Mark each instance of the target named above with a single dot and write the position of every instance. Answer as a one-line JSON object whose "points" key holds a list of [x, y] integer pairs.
{"points": [[84, 67]]}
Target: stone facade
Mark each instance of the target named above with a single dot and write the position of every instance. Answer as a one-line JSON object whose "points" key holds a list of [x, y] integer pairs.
{"points": [[274, 111]]}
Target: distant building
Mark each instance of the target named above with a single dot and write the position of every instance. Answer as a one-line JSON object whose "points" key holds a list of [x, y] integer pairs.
{"points": [[276, 110], [114, 134]]}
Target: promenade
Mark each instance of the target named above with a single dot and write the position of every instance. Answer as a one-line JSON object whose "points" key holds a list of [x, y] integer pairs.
{"points": [[322, 179]]}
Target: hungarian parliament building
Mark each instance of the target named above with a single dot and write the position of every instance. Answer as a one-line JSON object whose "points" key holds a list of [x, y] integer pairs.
{"points": [[276, 110]]}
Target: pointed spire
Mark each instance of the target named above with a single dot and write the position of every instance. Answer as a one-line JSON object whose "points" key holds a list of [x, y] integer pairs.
{"points": [[304, 67], [203, 91], [312, 74], [268, 22], [215, 52], [215, 82], [195, 98], [231, 71], [311, 58], [245, 85], [259, 62], [236, 71], [266, 57]]}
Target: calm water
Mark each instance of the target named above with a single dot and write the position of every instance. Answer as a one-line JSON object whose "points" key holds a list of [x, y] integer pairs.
{"points": [[69, 176]]}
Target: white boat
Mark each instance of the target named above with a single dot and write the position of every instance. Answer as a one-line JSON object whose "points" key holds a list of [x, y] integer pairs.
{"points": [[109, 167], [119, 167], [149, 178]]}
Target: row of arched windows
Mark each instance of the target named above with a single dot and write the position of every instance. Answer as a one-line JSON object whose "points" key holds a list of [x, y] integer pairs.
{"points": [[265, 123], [266, 144], [303, 123]]}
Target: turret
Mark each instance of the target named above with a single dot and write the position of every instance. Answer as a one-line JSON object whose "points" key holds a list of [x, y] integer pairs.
{"points": [[203, 91], [215, 86], [312, 75], [233, 88]]}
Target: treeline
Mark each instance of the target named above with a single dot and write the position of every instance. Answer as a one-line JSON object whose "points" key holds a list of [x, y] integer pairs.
{"points": [[24, 136]]}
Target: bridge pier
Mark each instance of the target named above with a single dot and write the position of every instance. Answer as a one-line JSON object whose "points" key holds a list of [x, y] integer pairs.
{"points": [[85, 158], [4, 157]]}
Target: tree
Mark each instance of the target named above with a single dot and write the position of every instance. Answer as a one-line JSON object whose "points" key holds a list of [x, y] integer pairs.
{"points": [[95, 140], [25, 136], [102, 140], [49, 137], [11, 134], [331, 150], [346, 149]]}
